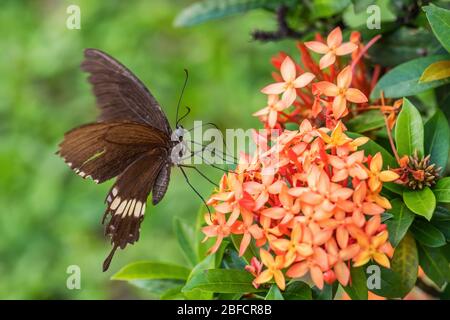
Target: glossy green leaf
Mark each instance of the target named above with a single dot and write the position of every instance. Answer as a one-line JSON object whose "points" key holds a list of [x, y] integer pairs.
{"points": [[437, 139], [402, 219], [403, 44], [147, 270], [274, 293], [441, 220], [391, 284], [366, 121], [327, 8], [403, 80], [405, 262], [222, 280], [205, 10], [421, 202], [442, 190], [297, 290], [328, 292], [161, 288], [427, 234], [184, 236], [209, 262], [409, 130], [357, 289], [439, 20], [434, 264]]}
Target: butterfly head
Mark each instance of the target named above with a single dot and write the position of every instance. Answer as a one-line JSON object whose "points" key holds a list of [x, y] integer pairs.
{"points": [[179, 149]]}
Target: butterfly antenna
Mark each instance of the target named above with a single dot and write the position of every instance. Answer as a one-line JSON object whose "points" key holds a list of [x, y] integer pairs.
{"points": [[184, 116], [195, 190], [181, 95], [200, 173]]}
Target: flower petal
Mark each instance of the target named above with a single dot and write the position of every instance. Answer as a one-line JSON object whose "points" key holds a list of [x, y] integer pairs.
{"points": [[334, 39], [355, 95], [327, 60], [303, 80], [287, 69], [288, 97], [344, 78], [346, 48], [327, 88], [317, 47], [274, 88]]}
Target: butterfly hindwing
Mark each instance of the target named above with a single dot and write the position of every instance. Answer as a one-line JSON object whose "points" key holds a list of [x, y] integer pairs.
{"points": [[120, 94], [102, 151], [127, 199]]}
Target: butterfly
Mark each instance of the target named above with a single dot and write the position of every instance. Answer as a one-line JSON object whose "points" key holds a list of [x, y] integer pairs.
{"points": [[131, 140]]}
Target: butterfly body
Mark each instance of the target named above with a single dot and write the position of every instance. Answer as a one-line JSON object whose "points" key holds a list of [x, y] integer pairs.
{"points": [[131, 141]]}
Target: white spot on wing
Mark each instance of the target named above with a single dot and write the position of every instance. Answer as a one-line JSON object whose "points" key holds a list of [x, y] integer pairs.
{"points": [[114, 191], [125, 212], [131, 210], [115, 203], [137, 209], [121, 207]]}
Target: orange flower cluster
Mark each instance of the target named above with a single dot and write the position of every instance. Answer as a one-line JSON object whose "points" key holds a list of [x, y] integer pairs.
{"points": [[307, 198]]}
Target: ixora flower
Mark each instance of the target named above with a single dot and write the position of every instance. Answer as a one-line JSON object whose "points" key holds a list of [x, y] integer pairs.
{"points": [[290, 82], [307, 202], [341, 92], [334, 47], [310, 215]]}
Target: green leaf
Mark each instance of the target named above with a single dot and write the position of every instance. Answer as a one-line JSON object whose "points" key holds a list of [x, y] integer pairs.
{"points": [[184, 236], [427, 234], [409, 130], [209, 262], [371, 148], [439, 20], [436, 71], [402, 45], [160, 287], [403, 80], [400, 222], [367, 121], [147, 270], [251, 251], [391, 284], [437, 139], [357, 290], [441, 220], [328, 8], [274, 293], [297, 290], [205, 10], [434, 264], [421, 202], [222, 280], [442, 190], [328, 292], [405, 262]]}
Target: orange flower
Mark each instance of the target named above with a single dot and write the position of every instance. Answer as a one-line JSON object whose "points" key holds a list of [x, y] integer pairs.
{"points": [[337, 138], [290, 84], [316, 264], [341, 92], [333, 48], [338, 258], [376, 176], [374, 246], [273, 270], [217, 227], [274, 106], [248, 229], [348, 165]]}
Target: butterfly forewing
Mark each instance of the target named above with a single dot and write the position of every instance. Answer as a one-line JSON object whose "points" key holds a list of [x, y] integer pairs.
{"points": [[102, 151], [120, 94]]}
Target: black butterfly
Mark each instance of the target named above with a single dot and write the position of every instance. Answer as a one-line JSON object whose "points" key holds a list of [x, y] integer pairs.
{"points": [[132, 141]]}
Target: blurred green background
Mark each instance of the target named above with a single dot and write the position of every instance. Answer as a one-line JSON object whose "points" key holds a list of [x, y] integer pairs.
{"points": [[50, 218]]}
